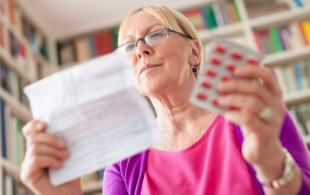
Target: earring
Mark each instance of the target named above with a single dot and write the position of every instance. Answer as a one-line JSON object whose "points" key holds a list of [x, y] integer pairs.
{"points": [[194, 69]]}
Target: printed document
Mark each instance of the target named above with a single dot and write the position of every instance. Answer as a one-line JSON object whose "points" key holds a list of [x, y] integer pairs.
{"points": [[96, 108]]}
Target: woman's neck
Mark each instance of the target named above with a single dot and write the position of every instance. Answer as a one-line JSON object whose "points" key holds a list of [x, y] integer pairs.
{"points": [[181, 124]]}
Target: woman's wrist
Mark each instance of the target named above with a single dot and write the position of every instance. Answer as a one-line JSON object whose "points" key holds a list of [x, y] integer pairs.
{"points": [[271, 164]]}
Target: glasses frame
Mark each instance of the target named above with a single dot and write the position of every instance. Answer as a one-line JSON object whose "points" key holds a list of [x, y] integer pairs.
{"points": [[168, 30]]}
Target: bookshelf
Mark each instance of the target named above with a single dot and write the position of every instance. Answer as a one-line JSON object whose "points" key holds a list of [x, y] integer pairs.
{"points": [[24, 58], [60, 52]]}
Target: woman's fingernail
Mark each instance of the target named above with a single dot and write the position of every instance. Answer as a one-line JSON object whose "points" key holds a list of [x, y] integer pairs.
{"points": [[39, 125]]}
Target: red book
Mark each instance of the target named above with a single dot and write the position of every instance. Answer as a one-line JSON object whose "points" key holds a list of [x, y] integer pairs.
{"points": [[258, 41], [302, 33], [103, 42]]}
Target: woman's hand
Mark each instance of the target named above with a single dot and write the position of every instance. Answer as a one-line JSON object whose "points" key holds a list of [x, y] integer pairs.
{"points": [[44, 151], [255, 103], [246, 100]]}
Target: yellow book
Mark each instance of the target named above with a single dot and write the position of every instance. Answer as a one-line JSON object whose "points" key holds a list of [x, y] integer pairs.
{"points": [[306, 27]]}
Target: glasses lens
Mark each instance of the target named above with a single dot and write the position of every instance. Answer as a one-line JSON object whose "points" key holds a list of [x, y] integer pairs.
{"points": [[156, 37], [127, 48]]}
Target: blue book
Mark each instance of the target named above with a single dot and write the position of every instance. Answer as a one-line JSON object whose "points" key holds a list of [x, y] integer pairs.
{"points": [[298, 76], [298, 3], [91, 46], [3, 136]]}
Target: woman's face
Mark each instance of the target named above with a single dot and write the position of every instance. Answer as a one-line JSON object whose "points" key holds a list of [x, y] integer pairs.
{"points": [[165, 66]]}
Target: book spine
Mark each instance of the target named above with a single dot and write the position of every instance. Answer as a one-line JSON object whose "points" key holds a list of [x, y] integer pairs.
{"points": [[275, 39], [306, 28]]}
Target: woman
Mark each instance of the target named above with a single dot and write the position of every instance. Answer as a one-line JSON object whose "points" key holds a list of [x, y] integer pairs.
{"points": [[201, 152]]}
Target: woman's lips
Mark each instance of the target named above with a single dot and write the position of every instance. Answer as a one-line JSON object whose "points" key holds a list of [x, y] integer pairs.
{"points": [[148, 66]]}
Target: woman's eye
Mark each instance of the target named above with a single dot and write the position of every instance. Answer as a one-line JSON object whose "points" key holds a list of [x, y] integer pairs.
{"points": [[157, 35], [130, 47]]}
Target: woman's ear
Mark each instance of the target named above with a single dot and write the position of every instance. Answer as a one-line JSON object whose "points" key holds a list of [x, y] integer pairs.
{"points": [[195, 52]]}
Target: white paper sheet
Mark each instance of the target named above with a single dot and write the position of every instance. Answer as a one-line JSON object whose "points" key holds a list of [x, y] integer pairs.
{"points": [[95, 107]]}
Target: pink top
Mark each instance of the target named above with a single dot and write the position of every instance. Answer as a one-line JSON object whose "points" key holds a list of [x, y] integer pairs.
{"points": [[213, 165]]}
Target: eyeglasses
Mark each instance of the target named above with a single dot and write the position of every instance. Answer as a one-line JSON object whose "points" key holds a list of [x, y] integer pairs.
{"points": [[151, 39]]}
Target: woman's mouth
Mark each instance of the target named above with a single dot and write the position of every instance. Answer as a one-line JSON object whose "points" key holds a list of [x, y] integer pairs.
{"points": [[148, 66]]}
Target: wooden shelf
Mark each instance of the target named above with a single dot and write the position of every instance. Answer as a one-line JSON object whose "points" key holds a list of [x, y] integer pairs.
{"points": [[287, 57], [92, 187], [18, 109], [280, 18], [297, 97]]}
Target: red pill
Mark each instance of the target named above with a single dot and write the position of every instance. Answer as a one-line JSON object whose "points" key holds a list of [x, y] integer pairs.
{"points": [[252, 61], [230, 67], [220, 49], [226, 78], [206, 84], [210, 73], [236, 55], [201, 96], [215, 61]]}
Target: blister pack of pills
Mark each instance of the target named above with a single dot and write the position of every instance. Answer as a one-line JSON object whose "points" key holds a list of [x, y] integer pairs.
{"points": [[221, 59]]}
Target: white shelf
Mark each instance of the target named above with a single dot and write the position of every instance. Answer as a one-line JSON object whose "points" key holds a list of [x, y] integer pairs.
{"points": [[92, 187], [225, 31], [283, 17], [297, 97], [10, 168], [286, 57], [18, 109]]}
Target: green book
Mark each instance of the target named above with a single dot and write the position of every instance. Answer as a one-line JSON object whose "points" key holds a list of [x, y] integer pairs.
{"points": [[115, 37], [236, 10], [275, 39], [209, 16], [46, 50]]}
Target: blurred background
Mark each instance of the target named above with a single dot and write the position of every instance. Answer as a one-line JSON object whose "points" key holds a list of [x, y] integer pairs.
{"points": [[38, 38]]}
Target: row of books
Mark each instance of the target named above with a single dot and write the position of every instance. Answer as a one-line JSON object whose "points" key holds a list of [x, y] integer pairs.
{"points": [[93, 177], [294, 77], [11, 82], [13, 144], [300, 3], [215, 14], [25, 60], [301, 115], [21, 24], [86, 47], [278, 39], [258, 8]]}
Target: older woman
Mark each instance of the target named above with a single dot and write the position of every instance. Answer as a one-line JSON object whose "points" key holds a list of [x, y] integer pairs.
{"points": [[201, 152]]}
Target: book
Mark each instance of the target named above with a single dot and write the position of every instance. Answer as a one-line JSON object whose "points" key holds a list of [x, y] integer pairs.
{"points": [[209, 16], [275, 39], [281, 79], [3, 127], [257, 10], [196, 17], [306, 28]]}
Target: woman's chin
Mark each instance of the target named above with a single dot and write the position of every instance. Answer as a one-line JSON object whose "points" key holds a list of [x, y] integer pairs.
{"points": [[149, 89]]}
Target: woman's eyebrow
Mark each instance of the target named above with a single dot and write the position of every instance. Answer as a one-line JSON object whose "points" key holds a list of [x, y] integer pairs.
{"points": [[145, 31]]}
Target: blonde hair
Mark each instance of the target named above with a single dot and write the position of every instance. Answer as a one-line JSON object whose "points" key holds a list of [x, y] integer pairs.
{"points": [[167, 17]]}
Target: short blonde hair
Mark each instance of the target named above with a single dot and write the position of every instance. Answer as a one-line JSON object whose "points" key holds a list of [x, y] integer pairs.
{"points": [[167, 17]]}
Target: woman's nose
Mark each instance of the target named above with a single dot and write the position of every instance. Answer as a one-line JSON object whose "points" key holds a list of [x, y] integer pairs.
{"points": [[142, 48]]}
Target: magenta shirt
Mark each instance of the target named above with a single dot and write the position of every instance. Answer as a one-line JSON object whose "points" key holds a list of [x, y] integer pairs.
{"points": [[213, 165], [126, 176]]}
